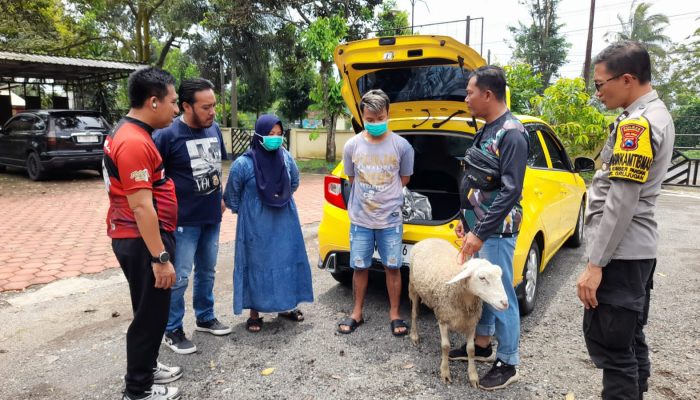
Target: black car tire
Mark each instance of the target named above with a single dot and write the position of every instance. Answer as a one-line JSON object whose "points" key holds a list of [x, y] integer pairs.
{"points": [[344, 277], [576, 240], [34, 168], [527, 291], [2, 168]]}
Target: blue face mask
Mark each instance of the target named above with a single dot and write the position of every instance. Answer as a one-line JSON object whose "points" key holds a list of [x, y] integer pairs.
{"points": [[376, 129], [271, 143]]}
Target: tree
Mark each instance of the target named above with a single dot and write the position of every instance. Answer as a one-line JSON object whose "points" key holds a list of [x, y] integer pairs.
{"points": [[565, 105], [524, 84], [135, 25], [687, 121], [320, 40], [391, 21], [32, 26], [293, 77], [644, 28], [540, 44]]}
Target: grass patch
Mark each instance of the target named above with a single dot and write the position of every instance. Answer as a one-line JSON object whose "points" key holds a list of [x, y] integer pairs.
{"points": [[315, 166], [692, 153], [587, 176]]}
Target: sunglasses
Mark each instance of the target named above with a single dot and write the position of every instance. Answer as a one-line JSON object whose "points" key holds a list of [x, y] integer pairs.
{"points": [[599, 85]]}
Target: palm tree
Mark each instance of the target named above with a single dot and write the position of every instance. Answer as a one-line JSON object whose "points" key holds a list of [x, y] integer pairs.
{"points": [[643, 28]]}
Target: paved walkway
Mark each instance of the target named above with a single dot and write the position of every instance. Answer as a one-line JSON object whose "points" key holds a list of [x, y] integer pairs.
{"points": [[56, 229]]}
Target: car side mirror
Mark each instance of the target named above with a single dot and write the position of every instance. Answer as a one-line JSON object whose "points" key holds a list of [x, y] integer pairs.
{"points": [[584, 164]]}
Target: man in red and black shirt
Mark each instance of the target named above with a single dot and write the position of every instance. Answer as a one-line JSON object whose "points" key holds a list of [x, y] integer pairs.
{"points": [[141, 219]]}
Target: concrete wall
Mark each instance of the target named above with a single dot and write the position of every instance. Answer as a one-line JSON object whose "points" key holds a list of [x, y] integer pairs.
{"points": [[301, 147]]}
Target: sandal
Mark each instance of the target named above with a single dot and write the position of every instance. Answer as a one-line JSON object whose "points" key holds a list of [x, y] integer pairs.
{"points": [[350, 323], [396, 324], [295, 315], [253, 323]]}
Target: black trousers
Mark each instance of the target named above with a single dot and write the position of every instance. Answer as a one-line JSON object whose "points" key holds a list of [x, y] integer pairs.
{"points": [[616, 343], [151, 307]]}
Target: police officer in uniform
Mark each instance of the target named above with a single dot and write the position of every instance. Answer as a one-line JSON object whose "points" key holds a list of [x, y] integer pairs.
{"points": [[622, 236]]}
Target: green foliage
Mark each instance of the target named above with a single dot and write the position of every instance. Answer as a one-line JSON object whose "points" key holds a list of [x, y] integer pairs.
{"points": [[181, 65], [687, 121], [390, 19], [644, 28], [540, 44], [524, 84], [566, 106], [293, 77], [322, 36]]}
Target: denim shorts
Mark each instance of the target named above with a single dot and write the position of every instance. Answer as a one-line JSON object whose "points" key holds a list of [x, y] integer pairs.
{"points": [[363, 241]]}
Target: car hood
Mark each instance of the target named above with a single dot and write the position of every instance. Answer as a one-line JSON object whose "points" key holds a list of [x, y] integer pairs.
{"points": [[424, 76]]}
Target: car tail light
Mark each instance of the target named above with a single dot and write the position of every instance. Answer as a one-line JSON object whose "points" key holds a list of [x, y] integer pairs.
{"points": [[333, 191]]}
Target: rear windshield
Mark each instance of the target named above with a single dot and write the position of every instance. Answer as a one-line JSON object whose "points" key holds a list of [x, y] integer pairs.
{"points": [[437, 82], [79, 122], [439, 145]]}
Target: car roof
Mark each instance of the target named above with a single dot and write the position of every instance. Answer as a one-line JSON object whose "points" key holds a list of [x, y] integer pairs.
{"points": [[530, 119], [60, 111]]}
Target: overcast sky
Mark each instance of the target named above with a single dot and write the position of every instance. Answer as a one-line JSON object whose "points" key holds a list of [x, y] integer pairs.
{"points": [[499, 14]]}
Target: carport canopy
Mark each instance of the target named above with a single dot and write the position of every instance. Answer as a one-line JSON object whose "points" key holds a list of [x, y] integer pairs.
{"points": [[61, 70]]}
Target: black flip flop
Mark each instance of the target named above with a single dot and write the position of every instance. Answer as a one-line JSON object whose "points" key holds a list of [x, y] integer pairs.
{"points": [[399, 323], [250, 322], [295, 315], [350, 323]]}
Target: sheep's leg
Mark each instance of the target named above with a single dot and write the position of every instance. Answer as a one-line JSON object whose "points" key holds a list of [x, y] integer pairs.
{"points": [[415, 303], [471, 368], [445, 345]]}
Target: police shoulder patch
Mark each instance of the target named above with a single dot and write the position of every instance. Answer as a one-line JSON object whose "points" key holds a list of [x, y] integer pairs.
{"points": [[632, 154]]}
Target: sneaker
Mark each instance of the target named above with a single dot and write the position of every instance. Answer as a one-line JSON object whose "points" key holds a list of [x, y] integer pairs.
{"points": [[480, 353], [214, 327], [157, 392], [499, 376], [178, 342], [164, 374]]}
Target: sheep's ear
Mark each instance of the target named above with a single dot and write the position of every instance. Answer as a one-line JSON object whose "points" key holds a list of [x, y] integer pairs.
{"points": [[465, 273]]}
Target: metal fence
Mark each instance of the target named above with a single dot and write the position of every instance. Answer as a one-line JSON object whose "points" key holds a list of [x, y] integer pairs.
{"points": [[240, 140]]}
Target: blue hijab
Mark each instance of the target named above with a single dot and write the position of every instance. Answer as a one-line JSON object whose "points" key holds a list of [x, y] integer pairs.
{"points": [[271, 176]]}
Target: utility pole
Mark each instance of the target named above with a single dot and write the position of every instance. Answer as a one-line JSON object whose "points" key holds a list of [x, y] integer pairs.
{"points": [[589, 44], [469, 24]]}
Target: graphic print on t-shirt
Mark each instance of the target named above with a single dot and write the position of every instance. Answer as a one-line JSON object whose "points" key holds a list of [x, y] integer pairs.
{"points": [[205, 159]]}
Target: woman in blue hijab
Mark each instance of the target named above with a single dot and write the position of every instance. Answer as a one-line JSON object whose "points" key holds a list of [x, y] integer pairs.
{"points": [[271, 268]]}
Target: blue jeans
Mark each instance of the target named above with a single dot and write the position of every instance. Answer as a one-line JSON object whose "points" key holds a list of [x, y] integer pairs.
{"points": [[198, 246], [387, 241], [504, 324]]}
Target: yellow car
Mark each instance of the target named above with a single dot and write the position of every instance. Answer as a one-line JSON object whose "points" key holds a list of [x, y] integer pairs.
{"points": [[425, 77]]}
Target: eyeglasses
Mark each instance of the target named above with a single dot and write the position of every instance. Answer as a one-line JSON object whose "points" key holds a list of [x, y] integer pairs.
{"points": [[600, 85]]}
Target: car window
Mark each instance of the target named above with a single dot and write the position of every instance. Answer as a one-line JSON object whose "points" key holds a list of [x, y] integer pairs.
{"points": [[79, 122], [20, 123], [436, 82], [536, 157], [556, 152]]}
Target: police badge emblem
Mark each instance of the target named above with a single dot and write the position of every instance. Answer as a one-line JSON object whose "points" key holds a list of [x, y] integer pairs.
{"points": [[630, 136]]}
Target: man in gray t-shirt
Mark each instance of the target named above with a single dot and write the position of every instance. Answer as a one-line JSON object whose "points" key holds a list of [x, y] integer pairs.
{"points": [[379, 164]]}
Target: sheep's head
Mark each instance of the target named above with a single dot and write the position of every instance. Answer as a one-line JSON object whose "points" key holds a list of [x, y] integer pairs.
{"points": [[484, 280]]}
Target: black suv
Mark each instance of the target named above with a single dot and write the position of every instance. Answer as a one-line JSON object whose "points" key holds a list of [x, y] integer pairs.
{"points": [[46, 140]]}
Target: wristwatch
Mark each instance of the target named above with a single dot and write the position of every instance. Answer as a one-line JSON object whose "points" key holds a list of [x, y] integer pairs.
{"points": [[162, 258]]}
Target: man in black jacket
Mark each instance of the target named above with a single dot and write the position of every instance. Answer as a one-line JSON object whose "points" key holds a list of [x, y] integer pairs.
{"points": [[493, 216]]}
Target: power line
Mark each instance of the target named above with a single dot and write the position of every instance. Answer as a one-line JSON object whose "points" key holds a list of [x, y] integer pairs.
{"points": [[611, 25]]}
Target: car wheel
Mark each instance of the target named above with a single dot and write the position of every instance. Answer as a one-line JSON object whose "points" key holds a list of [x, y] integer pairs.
{"points": [[527, 291], [2, 168], [34, 169], [344, 277], [577, 238]]}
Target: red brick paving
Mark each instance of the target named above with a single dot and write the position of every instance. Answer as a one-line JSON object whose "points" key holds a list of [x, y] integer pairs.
{"points": [[56, 229]]}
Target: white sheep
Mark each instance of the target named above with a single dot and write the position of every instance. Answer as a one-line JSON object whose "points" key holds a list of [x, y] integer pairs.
{"points": [[455, 293]]}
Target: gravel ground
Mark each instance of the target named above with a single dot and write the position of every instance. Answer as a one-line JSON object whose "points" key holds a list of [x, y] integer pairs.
{"points": [[66, 340]]}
